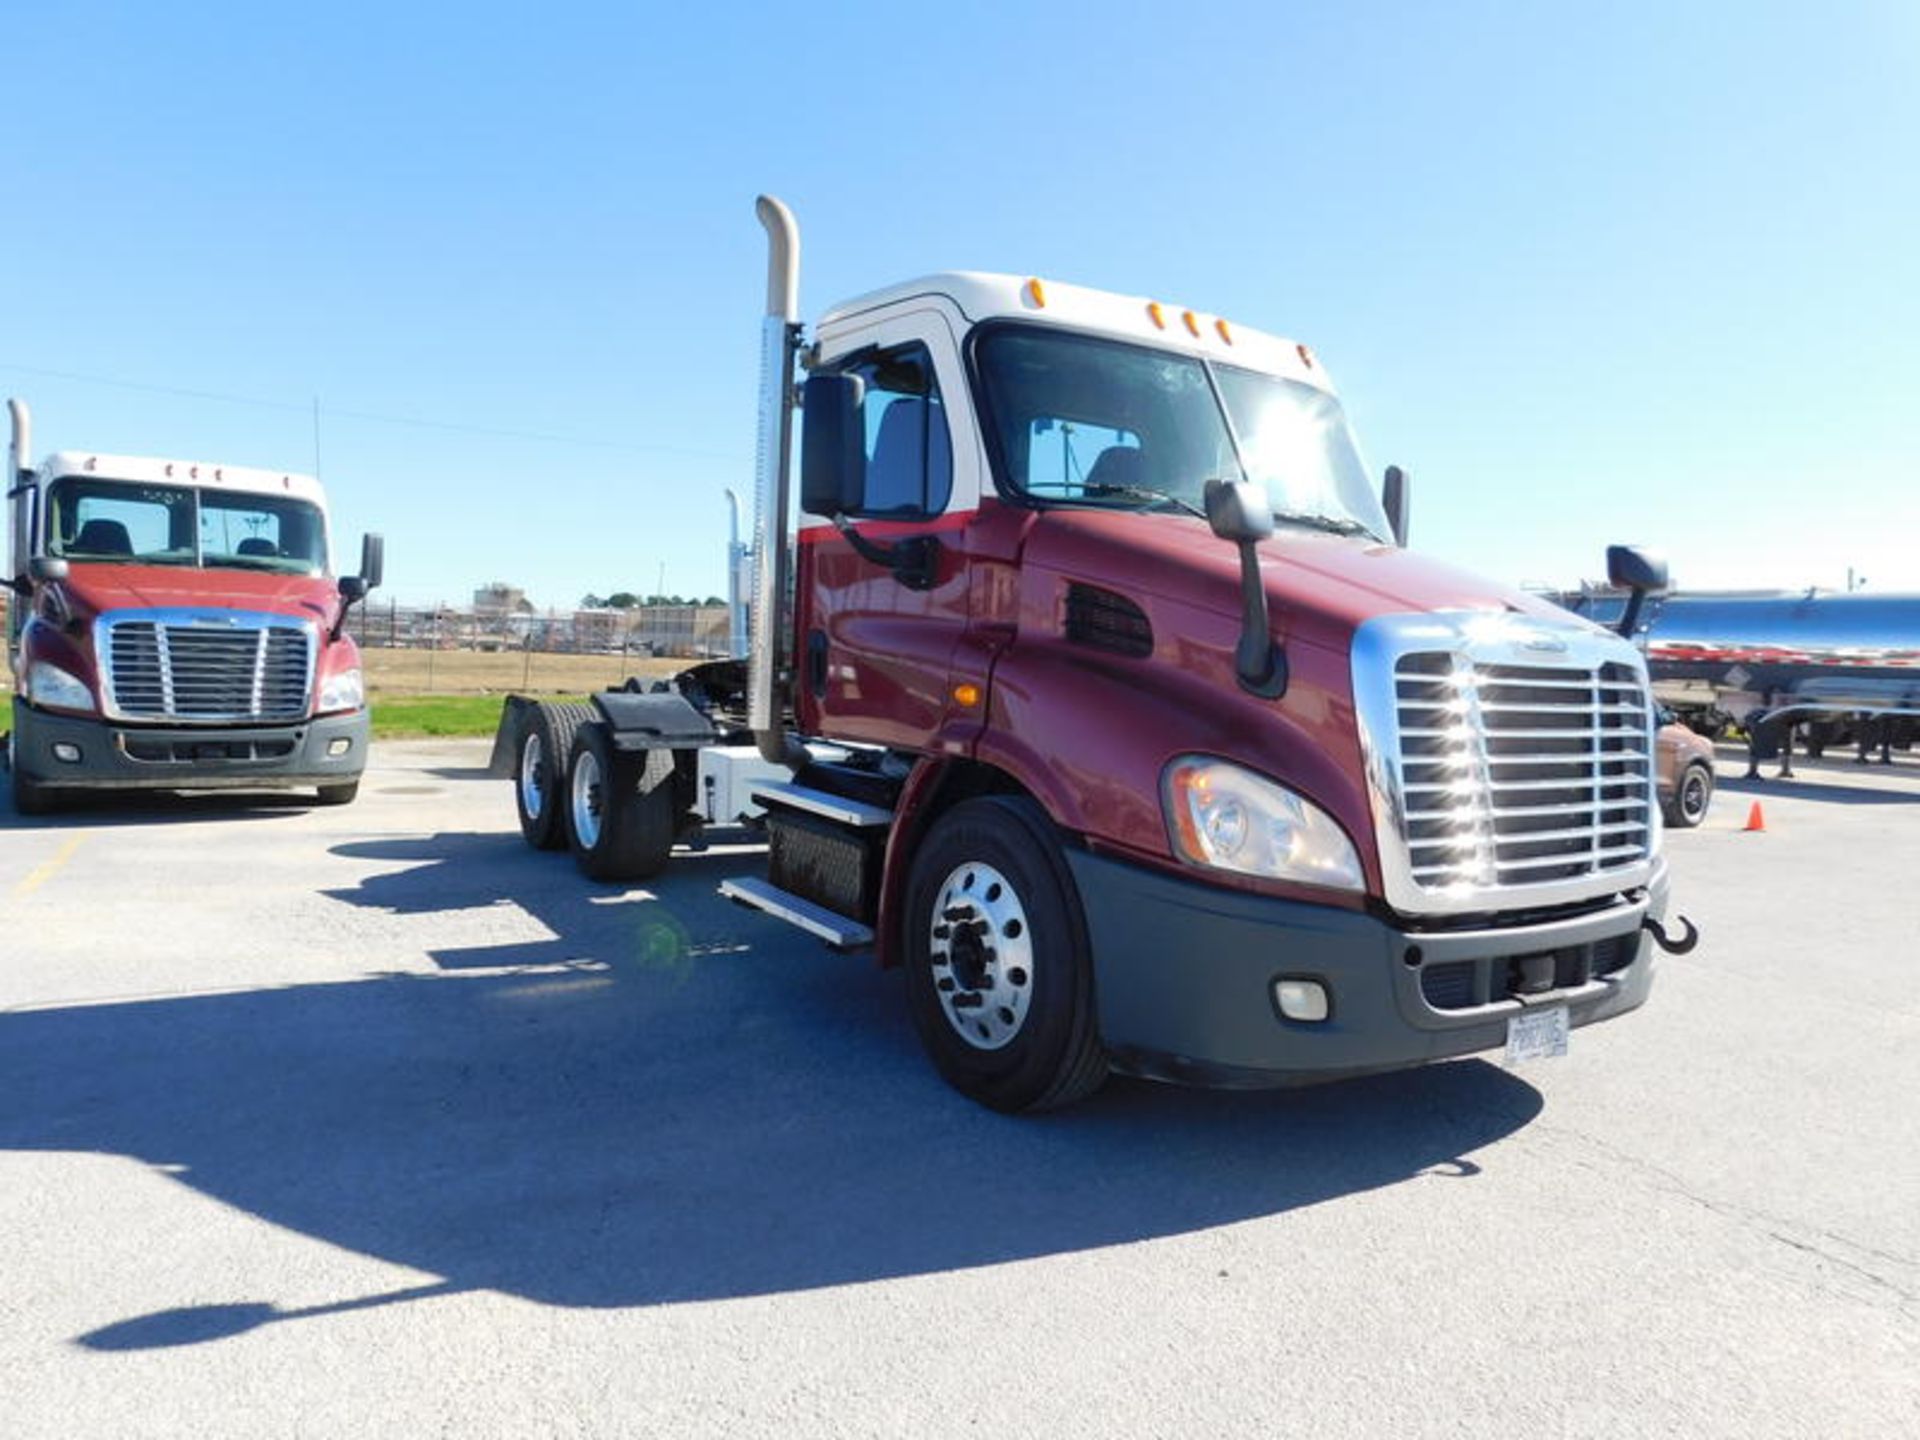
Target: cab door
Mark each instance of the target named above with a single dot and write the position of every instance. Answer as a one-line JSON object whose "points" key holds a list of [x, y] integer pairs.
{"points": [[876, 644]]}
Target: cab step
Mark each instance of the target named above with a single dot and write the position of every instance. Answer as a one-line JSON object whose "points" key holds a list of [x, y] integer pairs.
{"points": [[824, 924], [840, 809]]}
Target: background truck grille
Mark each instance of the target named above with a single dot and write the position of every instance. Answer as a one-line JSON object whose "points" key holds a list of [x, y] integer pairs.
{"points": [[1516, 775], [259, 670]]}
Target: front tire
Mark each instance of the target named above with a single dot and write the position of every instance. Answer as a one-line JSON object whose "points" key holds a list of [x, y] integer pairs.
{"points": [[31, 797], [1691, 797], [620, 810], [999, 970]]}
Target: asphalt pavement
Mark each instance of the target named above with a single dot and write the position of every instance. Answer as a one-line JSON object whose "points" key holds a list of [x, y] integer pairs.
{"points": [[370, 1121]]}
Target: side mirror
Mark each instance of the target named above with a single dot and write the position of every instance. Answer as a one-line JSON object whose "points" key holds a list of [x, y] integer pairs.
{"points": [[833, 444], [1238, 510], [373, 561], [1631, 568], [353, 588], [1638, 571], [47, 567], [1395, 495]]}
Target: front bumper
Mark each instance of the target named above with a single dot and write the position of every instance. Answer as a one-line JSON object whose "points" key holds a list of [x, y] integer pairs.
{"points": [[115, 756], [1184, 976]]}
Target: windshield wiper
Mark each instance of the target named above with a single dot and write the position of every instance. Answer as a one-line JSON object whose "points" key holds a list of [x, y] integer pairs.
{"points": [[1332, 524], [1142, 492]]}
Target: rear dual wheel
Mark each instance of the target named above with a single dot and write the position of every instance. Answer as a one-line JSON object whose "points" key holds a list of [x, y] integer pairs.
{"points": [[540, 772], [999, 971], [619, 806]]}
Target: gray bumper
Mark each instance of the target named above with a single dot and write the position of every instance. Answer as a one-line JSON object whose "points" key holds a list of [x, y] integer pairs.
{"points": [[1184, 973], [140, 757]]}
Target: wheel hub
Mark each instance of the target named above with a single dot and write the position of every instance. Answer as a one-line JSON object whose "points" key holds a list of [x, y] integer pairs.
{"points": [[586, 799], [533, 777], [981, 953]]}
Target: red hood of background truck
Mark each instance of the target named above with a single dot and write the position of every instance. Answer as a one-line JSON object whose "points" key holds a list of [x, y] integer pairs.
{"points": [[92, 589]]}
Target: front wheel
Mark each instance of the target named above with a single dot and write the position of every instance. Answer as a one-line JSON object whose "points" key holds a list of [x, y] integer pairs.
{"points": [[31, 797], [999, 974], [1691, 797]]}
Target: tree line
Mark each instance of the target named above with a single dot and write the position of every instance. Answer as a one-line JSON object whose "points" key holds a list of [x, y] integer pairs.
{"points": [[627, 600]]}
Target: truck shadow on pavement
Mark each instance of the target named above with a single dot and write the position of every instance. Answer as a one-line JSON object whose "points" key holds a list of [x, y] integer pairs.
{"points": [[633, 1119], [95, 810]]}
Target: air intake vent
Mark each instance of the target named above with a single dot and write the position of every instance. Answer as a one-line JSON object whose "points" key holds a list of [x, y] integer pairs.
{"points": [[1102, 620]]}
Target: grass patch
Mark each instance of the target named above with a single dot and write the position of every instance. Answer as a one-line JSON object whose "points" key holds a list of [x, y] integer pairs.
{"points": [[408, 717]]}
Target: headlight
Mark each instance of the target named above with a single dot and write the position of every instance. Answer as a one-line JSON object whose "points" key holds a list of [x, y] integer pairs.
{"points": [[51, 686], [342, 691], [1227, 818]]}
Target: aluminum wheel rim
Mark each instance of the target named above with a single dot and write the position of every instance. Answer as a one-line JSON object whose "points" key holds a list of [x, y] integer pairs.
{"points": [[981, 950], [586, 799], [1693, 796], [533, 780]]}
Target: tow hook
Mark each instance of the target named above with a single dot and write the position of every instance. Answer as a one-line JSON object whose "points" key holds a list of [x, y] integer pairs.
{"points": [[1665, 941]]}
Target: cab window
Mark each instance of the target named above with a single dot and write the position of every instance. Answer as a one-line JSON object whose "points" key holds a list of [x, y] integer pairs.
{"points": [[909, 450]]}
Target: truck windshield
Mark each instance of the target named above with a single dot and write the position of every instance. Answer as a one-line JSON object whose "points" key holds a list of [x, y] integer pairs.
{"points": [[1086, 421], [100, 520]]}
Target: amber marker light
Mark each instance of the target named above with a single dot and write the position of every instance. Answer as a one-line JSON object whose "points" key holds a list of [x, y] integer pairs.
{"points": [[1193, 323], [1225, 330], [1037, 293], [966, 695], [1306, 355], [1157, 315]]}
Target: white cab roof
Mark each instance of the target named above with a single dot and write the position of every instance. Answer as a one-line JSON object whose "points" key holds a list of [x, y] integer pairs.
{"points": [[182, 472], [980, 296]]}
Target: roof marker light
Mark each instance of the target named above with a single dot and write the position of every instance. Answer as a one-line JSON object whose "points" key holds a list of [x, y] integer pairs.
{"points": [[194, 473], [220, 476], [1306, 355], [1037, 293], [169, 470], [1157, 315], [1193, 323], [91, 459], [1226, 333]]}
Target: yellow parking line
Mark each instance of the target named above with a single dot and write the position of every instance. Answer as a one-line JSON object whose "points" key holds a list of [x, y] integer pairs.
{"points": [[38, 877]]}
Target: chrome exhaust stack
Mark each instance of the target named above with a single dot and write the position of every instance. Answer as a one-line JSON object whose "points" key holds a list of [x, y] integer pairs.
{"points": [[21, 451], [772, 552]]}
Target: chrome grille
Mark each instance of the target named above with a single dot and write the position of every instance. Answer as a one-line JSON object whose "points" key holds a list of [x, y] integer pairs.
{"points": [[1521, 773], [1510, 759], [247, 668]]}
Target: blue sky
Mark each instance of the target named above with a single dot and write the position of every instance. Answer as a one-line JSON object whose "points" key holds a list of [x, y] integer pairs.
{"points": [[1590, 273]]}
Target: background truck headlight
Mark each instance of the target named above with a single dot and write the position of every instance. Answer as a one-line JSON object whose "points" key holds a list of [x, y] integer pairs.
{"points": [[1227, 818], [53, 687], [343, 691]]}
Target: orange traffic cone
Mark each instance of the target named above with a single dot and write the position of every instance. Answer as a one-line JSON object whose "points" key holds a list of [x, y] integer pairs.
{"points": [[1755, 820]]}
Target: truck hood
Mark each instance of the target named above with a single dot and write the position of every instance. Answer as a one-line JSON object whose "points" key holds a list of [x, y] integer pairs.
{"points": [[1319, 587], [93, 589]]}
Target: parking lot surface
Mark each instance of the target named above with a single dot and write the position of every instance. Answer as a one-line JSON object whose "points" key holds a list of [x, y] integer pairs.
{"points": [[369, 1121]]}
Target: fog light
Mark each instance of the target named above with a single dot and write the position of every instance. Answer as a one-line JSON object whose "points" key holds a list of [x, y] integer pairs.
{"points": [[66, 751], [1301, 999], [339, 747]]}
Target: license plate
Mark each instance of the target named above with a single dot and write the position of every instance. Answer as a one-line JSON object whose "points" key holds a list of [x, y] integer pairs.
{"points": [[1537, 1034]]}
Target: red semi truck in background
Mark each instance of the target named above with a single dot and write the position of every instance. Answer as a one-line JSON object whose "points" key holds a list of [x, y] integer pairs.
{"points": [[175, 625], [1098, 690]]}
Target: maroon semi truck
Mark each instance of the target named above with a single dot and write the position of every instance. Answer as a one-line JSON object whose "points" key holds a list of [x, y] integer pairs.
{"points": [[176, 624], [1096, 688]]}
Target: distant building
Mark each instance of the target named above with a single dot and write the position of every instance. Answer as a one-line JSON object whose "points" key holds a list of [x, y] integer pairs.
{"points": [[599, 629], [499, 599]]}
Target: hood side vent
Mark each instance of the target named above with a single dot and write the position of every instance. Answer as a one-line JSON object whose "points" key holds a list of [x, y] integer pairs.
{"points": [[1102, 620]]}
